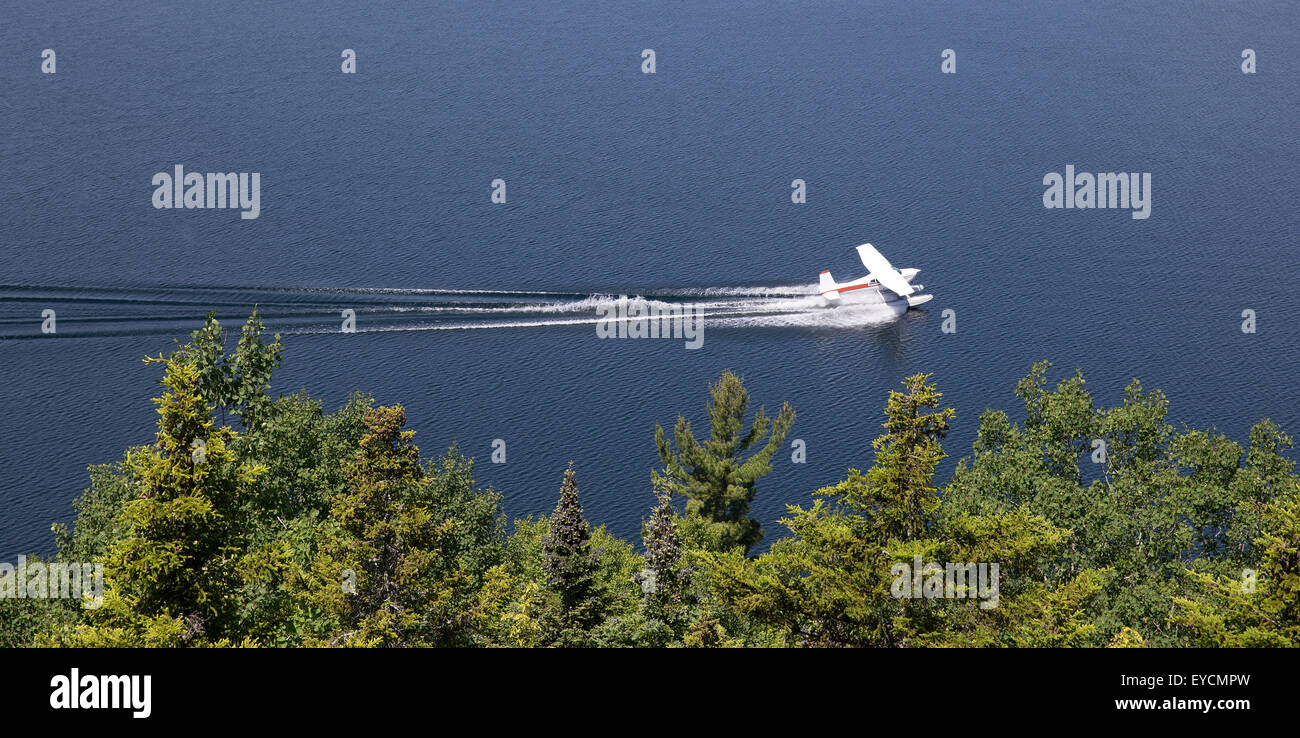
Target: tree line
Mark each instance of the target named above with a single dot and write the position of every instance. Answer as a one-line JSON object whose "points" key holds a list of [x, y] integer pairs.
{"points": [[253, 521]]}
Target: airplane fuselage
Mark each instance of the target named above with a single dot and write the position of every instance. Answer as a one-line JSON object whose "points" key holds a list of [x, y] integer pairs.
{"points": [[868, 291], [883, 285]]}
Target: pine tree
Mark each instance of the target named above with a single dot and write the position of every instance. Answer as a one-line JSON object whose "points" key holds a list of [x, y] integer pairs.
{"points": [[571, 565], [716, 478]]}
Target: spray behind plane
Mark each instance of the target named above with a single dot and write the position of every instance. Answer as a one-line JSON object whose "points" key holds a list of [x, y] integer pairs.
{"points": [[883, 284]]}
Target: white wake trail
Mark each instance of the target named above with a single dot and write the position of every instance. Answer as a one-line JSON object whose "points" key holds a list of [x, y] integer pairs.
{"points": [[780, 306]]}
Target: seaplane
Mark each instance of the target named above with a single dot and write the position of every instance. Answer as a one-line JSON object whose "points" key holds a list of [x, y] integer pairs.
{"points": [[883, 285]]}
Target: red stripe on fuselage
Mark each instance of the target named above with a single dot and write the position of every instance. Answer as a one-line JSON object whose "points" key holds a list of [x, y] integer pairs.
{"points": [[854, 287]]}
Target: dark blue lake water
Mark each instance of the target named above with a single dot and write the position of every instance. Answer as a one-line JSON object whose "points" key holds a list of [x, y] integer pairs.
{"points": [[375, 196]]}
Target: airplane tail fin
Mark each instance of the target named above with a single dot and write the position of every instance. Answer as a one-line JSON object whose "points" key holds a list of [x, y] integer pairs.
{"points": [[827, 286]]}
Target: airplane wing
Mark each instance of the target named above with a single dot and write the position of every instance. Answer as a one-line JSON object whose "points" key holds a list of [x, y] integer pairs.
{"points": [[882, 271]]}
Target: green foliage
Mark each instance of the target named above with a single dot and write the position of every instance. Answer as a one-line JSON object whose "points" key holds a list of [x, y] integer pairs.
{"points": [[538, 604], [173, 576], [1109, 526], [716, 478], [303, 450], [570, 564], [833, 582], [898, 492], [666, 581], [1257, 608], [238, 382], [1127, 638], [240, 534], [99, 522], [22, 621], [1165, 501], [388, 574]]}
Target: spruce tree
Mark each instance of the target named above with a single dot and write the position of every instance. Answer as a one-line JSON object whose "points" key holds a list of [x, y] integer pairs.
{"points": [[715, 477], [570, 564], [382, 572], [664, 582], [901, 484], [173, 578]]}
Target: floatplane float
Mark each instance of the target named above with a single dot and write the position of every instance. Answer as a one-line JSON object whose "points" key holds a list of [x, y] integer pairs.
{"points": [[883, 285]]}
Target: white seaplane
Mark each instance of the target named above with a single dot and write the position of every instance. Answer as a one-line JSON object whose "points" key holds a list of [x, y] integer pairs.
{"points": [[883, 285]]}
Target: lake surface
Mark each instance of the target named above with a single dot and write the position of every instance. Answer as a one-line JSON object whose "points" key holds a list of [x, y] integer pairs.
{"points": [[674, 186]]}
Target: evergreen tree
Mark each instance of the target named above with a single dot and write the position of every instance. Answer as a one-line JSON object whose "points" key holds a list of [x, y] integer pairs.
{"points": [[316, 529], [382, 573], [173, 578], [899, 488], [571, 565], [665, 581], [715, 477]]}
